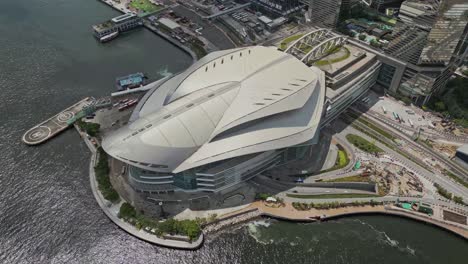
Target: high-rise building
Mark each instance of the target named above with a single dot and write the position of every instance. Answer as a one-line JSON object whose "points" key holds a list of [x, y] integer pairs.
{"points": [[427, 45], [326, 12], [419, 13], [280, 7]]}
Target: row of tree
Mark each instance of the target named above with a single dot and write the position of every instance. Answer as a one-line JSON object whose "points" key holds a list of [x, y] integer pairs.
{"points": [[448, 195], [101, 171], [332, 205]]}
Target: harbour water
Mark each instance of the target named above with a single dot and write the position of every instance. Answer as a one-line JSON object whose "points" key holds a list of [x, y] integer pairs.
{"points": [[48, 61]]}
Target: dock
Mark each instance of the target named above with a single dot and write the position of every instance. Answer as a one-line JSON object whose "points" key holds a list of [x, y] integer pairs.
{"points": [[56, 124]]}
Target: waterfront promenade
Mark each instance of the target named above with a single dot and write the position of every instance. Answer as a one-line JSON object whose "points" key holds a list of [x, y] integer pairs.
{"points": [[112, 210], [289, 213]]}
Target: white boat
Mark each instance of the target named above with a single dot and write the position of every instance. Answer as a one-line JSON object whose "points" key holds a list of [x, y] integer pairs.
{"points": [[109, 37]]}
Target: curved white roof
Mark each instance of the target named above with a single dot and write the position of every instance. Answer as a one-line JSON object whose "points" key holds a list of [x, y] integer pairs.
{"points": [[228, 104]]}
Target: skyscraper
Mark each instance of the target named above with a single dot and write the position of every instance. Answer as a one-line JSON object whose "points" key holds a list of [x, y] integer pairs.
{"points": [[326, 12], [430, 41]]}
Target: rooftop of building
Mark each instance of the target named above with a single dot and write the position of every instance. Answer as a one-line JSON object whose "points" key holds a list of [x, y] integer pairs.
{"points": [[341, 72], [103, 26], [463, 149], [230, 103], [113, 22]]}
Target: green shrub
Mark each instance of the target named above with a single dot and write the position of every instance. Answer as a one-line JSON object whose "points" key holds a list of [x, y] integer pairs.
{"points": [[443, 192], [262, 196], [127, 211], [91, 129], [101, 171]]}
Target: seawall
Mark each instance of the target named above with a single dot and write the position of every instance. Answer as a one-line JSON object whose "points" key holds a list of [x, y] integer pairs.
{"points": [[257, 209], [111, 211], [147, 25]]}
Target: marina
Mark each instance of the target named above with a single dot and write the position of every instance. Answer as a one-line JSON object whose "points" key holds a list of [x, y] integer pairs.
{"points": [[56, 124]]}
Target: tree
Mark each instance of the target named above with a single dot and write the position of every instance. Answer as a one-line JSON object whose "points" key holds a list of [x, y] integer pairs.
{"points": [[262, 196], [439, 106], [362, 36], [375, 43], [127, 211], [458, 199], [91, 129]]}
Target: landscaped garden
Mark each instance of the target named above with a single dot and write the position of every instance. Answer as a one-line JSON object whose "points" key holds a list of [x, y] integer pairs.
{"points": [[354, 178], [91, 129], [342, 160], [342, 52], [189, 228], [144, 6], [363, 144], [284, 44]]}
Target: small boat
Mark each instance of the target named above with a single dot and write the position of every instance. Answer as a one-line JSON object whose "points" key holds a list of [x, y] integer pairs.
{"points": [[109, 37]]}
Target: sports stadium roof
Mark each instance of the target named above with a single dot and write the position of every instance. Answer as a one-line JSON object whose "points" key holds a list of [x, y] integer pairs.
{"points": [[228, 104]]}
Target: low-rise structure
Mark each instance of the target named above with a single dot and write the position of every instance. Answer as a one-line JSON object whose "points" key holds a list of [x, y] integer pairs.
{"points": [[117, 24]]}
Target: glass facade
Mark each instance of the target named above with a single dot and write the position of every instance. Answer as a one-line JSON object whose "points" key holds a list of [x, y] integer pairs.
{"points": [[186, 180], [386, 75]]}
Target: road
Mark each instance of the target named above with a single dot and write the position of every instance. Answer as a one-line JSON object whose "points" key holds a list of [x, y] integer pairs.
{"points": [[446, 183], [453, 166], [210, 31]]}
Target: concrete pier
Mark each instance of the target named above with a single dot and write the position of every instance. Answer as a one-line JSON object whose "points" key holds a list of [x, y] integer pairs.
{"points": [[54, 125]]}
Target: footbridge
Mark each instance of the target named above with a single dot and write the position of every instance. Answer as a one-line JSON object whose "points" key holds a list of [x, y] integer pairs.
{"points": [[315, 45]]}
